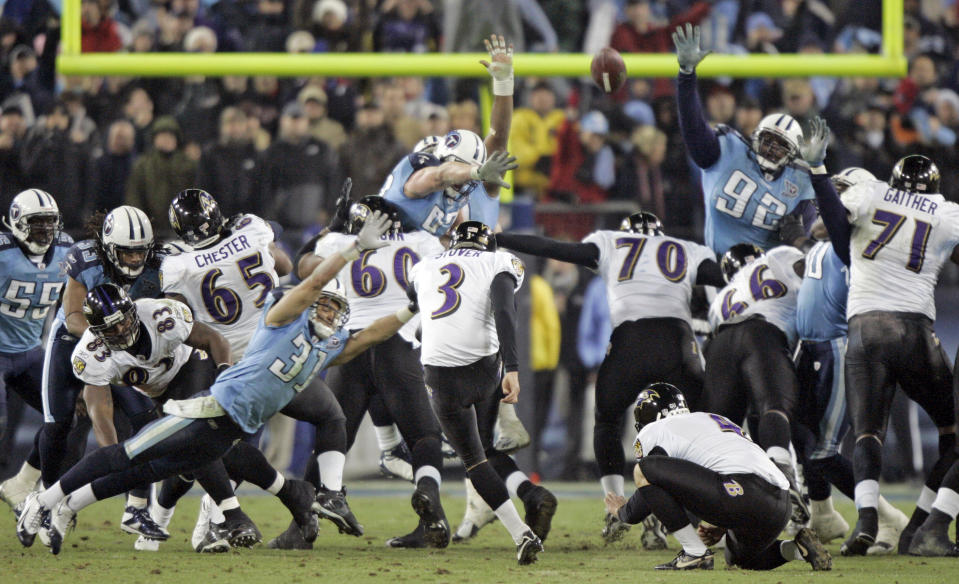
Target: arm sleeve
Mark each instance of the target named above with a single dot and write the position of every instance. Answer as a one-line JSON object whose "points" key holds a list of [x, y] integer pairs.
{"points": [[710, 274], [635, 510], [504, 313], [833, 215], [584, 254], [701, 141], [307, 248], [807, 210]]}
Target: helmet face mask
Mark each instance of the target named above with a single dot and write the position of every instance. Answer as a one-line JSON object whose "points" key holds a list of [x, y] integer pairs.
{"points": [[643, 223], [473, 235], [127, 239], [657, 401], [112, 316], [738, 257], [331, 311], [775, 142], [35, 220], [196, 217]]}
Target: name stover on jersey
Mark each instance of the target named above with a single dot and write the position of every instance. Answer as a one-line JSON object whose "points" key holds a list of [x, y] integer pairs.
{"points": [[453, 290], [168, 324]]}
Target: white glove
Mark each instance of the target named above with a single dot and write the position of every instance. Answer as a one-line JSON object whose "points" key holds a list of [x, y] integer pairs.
{"points": [[689, 50], [369, 236], [813, 149], [500, 65], [494, 168]]}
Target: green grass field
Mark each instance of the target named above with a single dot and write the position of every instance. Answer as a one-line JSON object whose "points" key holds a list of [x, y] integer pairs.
{"points": [[99, 552]]}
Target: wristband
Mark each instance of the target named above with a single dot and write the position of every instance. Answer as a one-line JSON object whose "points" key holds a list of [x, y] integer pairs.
{"points": [[404, 314], [503, 87], [821, 169], [474, 173], [351, 253]]}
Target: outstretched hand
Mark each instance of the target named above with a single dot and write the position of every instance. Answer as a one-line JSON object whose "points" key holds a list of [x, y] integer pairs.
{"points": [[689, 50], [494, 168], [373, 228], [813, 149], [500, 64]]}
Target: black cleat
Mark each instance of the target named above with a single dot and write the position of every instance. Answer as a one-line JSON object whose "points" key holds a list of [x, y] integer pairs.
{"points": [[540, 507], [138, 521], [426, 503], [332, 505], [241, 531], [863, 535], [932, 537], [684, 561], [291, 539], [527, 549], [615, 529], [214, 541], [415, 539], [298, 496], [812, 550]]}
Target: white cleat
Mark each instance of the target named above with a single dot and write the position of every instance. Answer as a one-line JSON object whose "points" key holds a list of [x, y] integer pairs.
{"points": [[478, 515], [145, 544], [510, 433], [891, 523], [14, 492], [31, 519], [829, 526], [202, 521], [62, 520]]}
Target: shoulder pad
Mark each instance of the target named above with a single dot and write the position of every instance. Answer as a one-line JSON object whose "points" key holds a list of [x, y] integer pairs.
{"points": [[63, 240], [420, 160], [724, 130], [81, 256], [7, 241]]}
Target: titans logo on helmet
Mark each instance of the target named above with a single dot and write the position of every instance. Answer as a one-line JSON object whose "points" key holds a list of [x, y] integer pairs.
{"points": [[452, 139]]}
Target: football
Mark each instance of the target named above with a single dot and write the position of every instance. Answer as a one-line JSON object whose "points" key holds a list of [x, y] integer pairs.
{"points": [[608, 70]]}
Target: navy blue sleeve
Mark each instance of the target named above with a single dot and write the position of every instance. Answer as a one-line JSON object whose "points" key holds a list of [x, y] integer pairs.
{"points": [[420, 160], [709, 273], [81, 256], [833, 215], [700, 139], [584, 254], [504, 313]]}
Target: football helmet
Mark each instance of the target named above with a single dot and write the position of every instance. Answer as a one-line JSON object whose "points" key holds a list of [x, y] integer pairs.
{"points": [[915, 173], [849, 177], [737, 257], [35, 220], [331, 310], [196, 217], [428, 144], [473, 234], [127, 231], [642, 222], [775, 142], [461, 146], [112, 316], [365, 207], [657, 401]]}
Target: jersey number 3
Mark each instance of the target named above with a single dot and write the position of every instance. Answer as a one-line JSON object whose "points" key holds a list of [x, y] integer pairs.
{"points": [[735, 198]]}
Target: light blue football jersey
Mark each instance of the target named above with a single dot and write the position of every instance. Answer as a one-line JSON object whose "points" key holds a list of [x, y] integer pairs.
{"points": [[483, 207], [434, 213], [741, 205], [821, 305], [278, 363], [27, 291]]}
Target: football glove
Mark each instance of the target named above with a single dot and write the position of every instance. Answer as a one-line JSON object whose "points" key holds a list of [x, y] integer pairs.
{"points": [[689, 52], [813, 149], [373, 228], [342, 213], [494, 168]]}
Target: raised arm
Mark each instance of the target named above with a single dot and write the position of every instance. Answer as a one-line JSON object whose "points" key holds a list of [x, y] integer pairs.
{"points": [[583, 254], [831, 209], [701, 141], [500, 68]]}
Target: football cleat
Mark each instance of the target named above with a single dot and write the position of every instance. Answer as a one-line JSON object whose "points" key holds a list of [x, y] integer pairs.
{"points": [[240, 530], [931, 539], [62, 520], [540, 507], [214, 540], [332, 505], [510, 433], [426, 504], [415, 539], [829, 526], [396, 462], [614, 530], [863, 536], [477, 516], [684, 561], [203, 522], [449, 453], [527, 549], [145, 544], [654, 534], [138, 521], [291, 539], [812, 550], [892, 523], [798, 500], [31, 519], [14, 492], [299, 500]]}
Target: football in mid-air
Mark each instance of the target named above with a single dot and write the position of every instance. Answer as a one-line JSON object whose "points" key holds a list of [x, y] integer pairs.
{"points": [[608, 70]]}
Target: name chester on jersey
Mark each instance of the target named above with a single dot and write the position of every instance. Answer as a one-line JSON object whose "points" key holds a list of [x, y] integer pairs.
{"points": [[916, 201], [233, 246]]}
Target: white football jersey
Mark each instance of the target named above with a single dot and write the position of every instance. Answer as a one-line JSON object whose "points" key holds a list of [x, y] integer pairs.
{"points": [[376, 283], [647, 276], [453, 290], [768, 286], [900, 241], [227, 283], [168, 323], [711, 441]]}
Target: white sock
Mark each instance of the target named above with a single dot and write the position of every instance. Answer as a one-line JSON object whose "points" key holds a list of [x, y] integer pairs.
{"points": [[779, 455], [137, 502], [510, 517], [789, 551], [216, 516], [514, 480], [162, 515], [228, 504], [613, 484], [52, 496], [427, 471], [278, 483], [387, 437], [331, 469], [81, 498], [867, 494], [822, 508], [688, 537], [947, 501], [27, 475], [926, 497]]}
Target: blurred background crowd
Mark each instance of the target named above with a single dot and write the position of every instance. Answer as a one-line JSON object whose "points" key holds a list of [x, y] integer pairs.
{"points": [[280, 147]]}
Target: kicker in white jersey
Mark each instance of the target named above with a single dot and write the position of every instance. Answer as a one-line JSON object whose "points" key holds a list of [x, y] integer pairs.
{"points": [[168, 324], [900, 241], [227, 282], [768, 287], [376, 283], [453, 293], [647, 276]]}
